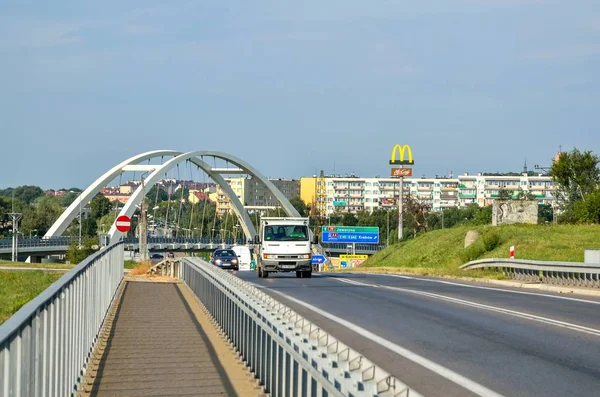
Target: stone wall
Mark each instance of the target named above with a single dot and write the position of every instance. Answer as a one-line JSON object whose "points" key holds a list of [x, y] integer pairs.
{"points": [[514, 211]]}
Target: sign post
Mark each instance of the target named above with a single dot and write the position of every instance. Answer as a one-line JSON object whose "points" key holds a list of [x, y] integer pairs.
{"points": [[401, 173]]}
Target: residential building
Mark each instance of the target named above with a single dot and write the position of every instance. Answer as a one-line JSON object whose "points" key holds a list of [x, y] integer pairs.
{"points": [[329, 194], [254, 194]]}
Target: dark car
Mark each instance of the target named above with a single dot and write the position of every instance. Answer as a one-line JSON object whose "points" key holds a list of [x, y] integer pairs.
{"points": [[225, 259], [156, 257]]}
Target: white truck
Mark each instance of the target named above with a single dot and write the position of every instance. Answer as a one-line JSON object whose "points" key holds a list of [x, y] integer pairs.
{"points": [[284, 245]]}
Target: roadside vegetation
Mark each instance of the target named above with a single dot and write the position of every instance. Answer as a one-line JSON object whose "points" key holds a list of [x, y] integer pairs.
{"points": [[441, 252], [18, 288]]}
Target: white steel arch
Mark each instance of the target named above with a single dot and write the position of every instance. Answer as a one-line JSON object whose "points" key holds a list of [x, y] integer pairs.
{"points": [[178, 157], [129, 208], [72, 211]]}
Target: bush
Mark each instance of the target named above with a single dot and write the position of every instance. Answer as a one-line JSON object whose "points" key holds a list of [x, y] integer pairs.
{"points": [[491, 240], [472, 252]]}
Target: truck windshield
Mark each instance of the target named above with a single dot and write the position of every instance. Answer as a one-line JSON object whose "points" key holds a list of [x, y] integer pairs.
{"points": [[286, 233]]}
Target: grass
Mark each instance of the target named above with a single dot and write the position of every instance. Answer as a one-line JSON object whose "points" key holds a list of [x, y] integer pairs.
{"points": [[35, 265], [130, 264], [18, 288], [441, 252]]}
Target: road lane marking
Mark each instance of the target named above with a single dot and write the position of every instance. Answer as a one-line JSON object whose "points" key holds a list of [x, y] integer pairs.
{"points": [[532, 317], [444, 372], [490, 288]]}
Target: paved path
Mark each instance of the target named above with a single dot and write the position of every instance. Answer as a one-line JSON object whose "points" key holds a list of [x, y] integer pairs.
{"points": [[158, 347]]}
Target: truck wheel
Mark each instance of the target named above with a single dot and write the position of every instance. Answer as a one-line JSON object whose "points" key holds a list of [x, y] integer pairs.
{"points": [[299, 274], [265, 274], [307, 274]]}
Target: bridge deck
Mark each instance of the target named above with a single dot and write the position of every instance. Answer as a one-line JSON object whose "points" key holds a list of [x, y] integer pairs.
{"points": [[157, 347]]}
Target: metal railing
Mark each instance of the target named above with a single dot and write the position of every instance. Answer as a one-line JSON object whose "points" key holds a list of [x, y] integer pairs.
{"points": [[562, 273], [288, 354], [45, 346]]}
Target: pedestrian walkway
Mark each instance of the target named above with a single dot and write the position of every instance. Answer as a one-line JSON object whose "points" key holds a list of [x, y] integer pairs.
{"points": [[158, 347]]}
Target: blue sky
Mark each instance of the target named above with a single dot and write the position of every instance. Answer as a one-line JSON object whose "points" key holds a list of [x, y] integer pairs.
{"points": [[471, 85]]}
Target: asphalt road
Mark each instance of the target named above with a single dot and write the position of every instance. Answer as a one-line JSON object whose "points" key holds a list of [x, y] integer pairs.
{"points": [[447, 338]]}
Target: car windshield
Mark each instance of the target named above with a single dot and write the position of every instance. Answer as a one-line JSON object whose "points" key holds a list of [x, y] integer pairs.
{"points": [[224, 253], [286, 233]]}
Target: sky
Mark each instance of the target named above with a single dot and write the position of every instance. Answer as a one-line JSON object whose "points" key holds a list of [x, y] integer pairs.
{"points": [[296, 87]]}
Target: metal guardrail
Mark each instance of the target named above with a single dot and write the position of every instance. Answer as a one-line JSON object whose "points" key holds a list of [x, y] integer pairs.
{"points": [[562, 273], [288, 354], [46, 345]]}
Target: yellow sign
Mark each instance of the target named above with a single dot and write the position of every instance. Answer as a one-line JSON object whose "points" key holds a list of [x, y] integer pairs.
{"points": [[401, 150], [353, 257]]}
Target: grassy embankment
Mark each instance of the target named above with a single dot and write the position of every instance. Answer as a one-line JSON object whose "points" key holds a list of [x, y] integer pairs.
{"points": [[441, 252], [18, 288]]}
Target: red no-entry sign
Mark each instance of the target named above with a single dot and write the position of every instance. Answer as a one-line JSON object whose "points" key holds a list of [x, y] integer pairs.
{"points": [[123, 223]]}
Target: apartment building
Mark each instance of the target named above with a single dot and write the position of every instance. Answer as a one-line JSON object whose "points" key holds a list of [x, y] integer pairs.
{"points": [[254, 194], [352, 194]]}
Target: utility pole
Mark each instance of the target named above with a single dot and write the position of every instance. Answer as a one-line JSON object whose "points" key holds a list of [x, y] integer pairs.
{"points": [[16, 217], [143, 227]]}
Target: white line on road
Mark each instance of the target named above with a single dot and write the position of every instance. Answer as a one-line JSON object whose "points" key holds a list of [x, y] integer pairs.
{"points": [[489, 288], [425, 362], [545, 320]]}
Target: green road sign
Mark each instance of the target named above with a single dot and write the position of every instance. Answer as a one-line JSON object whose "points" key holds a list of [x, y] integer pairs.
{"points": [[350, 229]]}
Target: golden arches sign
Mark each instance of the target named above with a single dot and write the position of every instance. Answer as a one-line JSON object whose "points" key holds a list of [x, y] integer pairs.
{"points": [[401, 151]]}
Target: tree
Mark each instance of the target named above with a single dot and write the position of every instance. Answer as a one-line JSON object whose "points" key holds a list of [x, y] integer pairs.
{"points": [[76, 254], [588, 211], [300, 206], [39, 218], [545, 213], [577, 175], [504, 194], [25, 193], [100, 206], [525, 195], [68, 199]]}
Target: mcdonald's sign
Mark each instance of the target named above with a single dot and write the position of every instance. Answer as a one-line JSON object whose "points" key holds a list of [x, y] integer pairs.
{"points": [[401, 149]]}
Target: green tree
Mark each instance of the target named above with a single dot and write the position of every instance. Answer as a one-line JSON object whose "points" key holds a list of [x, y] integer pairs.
{"points": [[525, 195], [349, 219], [104, 224], [68, 199], [38, 218], [505, 194], [577, 175], [76, 254], [300, 206], [25, 193], [588, 210], [100, 206], [545, 213]]}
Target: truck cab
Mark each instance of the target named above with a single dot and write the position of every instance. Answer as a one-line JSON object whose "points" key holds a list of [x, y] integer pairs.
{"points": [[284, 245]]}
